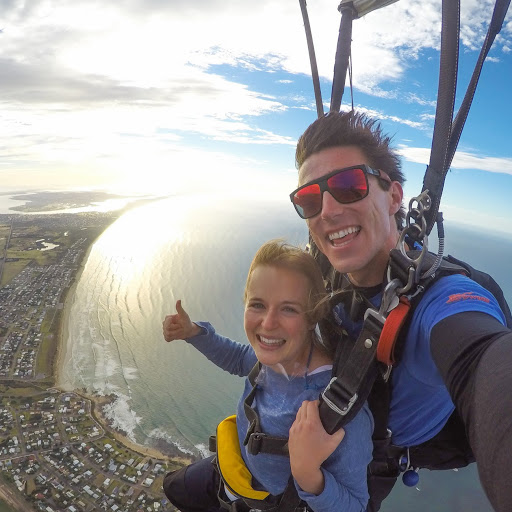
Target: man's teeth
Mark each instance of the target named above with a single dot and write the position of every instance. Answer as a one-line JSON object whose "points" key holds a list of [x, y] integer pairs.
{"points": [[269, 341], [344, 232]]}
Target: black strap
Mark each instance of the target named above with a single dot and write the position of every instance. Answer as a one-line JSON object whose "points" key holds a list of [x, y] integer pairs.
{"points": [[498, 16], [312, 59], [343, 52], [288, 501], [256, 440], [446, 131], [353, 380], [437, 168]]}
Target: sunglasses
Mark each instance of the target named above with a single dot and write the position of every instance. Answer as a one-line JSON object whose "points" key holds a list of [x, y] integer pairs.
{"points": [[346, 185]]}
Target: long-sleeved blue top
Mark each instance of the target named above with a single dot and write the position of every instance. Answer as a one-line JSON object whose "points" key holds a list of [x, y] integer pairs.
{"points": [[277, 401]]}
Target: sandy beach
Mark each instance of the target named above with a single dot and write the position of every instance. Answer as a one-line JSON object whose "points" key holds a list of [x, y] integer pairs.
{"points": [[63, 352]]}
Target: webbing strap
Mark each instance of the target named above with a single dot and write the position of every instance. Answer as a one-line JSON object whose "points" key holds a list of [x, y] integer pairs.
{"points": [[256, 440], [392, 327], [343, 51], [437, 168], [348, 390], [312, 59], [447, 131]]}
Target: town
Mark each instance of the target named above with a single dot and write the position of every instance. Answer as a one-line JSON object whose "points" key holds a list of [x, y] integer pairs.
{"points": [[55, 452]]}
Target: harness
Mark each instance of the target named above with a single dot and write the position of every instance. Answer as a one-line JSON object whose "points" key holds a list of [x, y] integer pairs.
{"points": [[234, 475], [363, 367], [362, 371]]}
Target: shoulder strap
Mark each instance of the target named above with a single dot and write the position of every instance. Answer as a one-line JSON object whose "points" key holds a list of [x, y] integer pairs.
{"points": [[256, 440], [371, 356]]}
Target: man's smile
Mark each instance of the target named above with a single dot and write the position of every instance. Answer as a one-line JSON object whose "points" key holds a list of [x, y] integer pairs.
{"points": [[338, 238]]}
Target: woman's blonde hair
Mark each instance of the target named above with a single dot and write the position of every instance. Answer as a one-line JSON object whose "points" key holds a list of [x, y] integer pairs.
{"points": [[278, 253]]}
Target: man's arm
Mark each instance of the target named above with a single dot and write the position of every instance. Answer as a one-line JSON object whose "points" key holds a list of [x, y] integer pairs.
{"points": [[473, 352]]}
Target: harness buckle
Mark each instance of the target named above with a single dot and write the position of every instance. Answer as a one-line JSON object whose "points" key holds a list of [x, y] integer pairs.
{"points": [[341, 395], [254, 442]]}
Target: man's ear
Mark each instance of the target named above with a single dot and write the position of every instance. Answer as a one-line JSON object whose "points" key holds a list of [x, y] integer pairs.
{"points": [[397, 196]]}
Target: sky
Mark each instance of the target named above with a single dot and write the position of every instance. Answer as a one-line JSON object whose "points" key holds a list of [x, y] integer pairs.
{"points": [[209, 96]]}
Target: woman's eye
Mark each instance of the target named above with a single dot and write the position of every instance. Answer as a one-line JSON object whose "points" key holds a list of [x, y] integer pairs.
{"points": [[255, 305], [289, 309]]}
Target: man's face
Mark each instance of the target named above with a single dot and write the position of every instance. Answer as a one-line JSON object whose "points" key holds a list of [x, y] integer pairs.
{"points": [[355, 237]]}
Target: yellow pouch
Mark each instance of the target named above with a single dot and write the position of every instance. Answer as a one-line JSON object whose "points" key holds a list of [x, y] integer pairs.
{"points": [[233, 470]]}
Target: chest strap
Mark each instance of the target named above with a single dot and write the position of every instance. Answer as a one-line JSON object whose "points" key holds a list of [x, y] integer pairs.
{"points": [[371, 355]]}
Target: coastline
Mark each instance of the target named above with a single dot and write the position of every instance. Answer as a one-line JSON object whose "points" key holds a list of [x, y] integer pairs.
{"points": [[63, 383], [63, 351]]}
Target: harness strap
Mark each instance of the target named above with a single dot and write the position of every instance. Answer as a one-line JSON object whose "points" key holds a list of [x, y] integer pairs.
{"points": [[343, 52], [288, 501], [353, 380], [390, 331], [256, 440]]}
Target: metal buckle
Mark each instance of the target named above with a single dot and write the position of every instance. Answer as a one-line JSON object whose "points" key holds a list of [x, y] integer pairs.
{"points": [[332, 405]]}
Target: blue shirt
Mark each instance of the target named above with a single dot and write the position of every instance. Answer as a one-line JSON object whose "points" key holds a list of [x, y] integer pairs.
{"points": [[420, 402], [277, 401]]}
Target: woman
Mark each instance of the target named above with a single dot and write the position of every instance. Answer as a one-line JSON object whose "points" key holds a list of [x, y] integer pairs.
{"points": [[284, 299]]}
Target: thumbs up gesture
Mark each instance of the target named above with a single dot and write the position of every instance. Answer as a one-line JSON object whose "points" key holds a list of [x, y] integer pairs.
{"points": [[179, 326]]}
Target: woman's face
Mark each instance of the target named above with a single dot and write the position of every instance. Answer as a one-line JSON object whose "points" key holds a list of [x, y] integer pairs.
{"points": [[275, 317]]}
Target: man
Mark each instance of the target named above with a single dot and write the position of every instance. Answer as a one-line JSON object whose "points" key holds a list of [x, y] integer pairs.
{"points": [[457, 354]]}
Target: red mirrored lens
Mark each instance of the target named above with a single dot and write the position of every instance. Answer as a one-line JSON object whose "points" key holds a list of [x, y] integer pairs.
{"points": [[308, 200], [348, 186]]}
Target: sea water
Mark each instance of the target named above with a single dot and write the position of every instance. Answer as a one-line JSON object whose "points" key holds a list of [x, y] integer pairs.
{"points": [[190, 248], [198, 249]]}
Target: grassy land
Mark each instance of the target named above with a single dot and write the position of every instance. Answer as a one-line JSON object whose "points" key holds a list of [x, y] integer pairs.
{"points": [[50, 331], [12, 269], [23, 248]]}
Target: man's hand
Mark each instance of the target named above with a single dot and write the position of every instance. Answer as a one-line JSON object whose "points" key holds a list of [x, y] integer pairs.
{"points": [[310, 445], [179, 326]]}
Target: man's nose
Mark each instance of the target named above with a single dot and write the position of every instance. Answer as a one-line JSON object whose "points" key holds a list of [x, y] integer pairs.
{"points": [[330, 206]]}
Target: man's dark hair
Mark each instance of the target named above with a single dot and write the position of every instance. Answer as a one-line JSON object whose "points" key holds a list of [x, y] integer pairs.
{"points": [[353, 129]]}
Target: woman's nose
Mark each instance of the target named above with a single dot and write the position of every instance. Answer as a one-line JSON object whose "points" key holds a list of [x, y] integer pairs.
{"points": [[270, 320]]}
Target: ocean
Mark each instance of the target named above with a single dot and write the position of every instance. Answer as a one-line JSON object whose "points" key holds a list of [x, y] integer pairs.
{"points": [[198, 249]]}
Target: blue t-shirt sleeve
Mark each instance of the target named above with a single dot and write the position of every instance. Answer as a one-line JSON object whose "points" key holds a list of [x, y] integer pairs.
{"points": [[448, 296], [345, 487], [421, 403], [235, 358]]}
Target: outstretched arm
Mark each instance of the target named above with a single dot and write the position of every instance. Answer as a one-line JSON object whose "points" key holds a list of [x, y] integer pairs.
{"points": [[473, 352], [235, 358]]}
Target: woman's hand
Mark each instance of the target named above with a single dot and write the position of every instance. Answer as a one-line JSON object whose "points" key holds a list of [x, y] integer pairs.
{"points": [[310, 445], [179, 326]]}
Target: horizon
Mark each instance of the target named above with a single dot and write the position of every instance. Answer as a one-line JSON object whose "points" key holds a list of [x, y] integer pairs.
{"points": [[152, 98]]}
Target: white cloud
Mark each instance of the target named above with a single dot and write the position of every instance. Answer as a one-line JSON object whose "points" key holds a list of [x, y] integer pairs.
{"points": [[84, 84], [396, 119], [462, 160]]}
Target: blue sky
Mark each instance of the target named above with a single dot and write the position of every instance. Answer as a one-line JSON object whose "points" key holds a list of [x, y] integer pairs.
{"points": [[167, 97]]}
